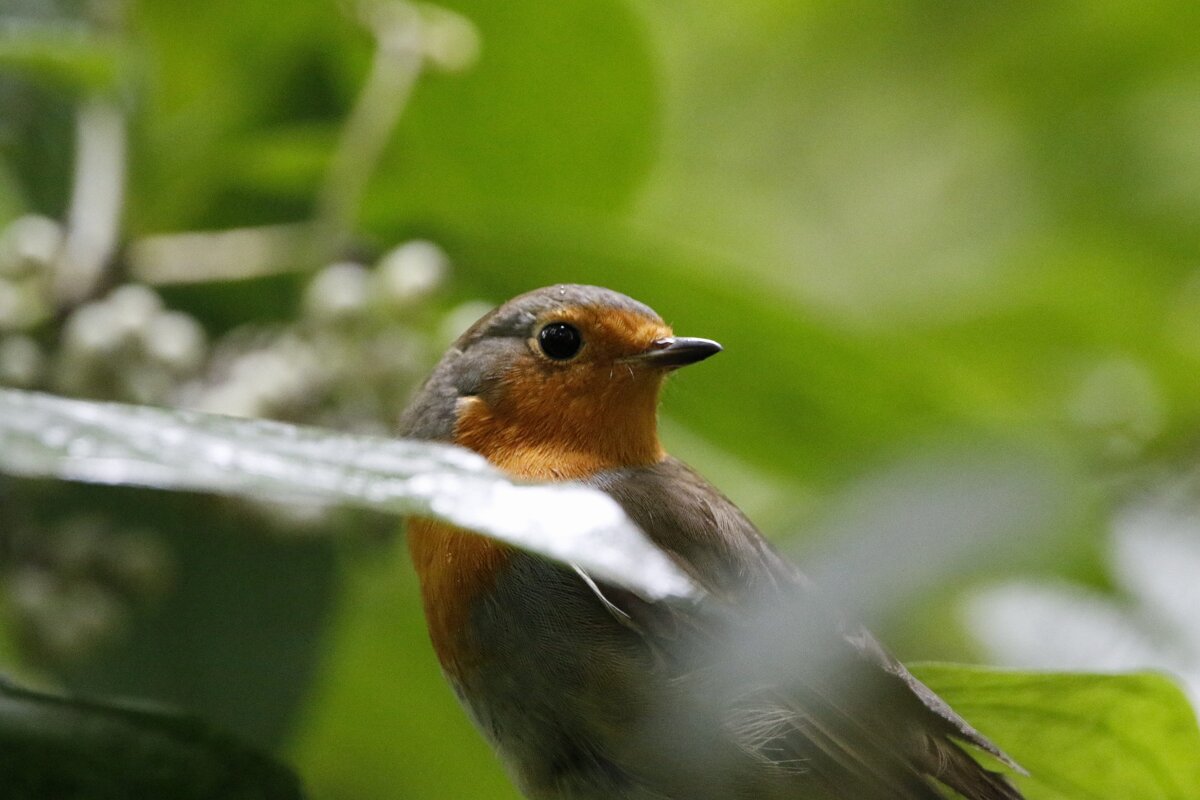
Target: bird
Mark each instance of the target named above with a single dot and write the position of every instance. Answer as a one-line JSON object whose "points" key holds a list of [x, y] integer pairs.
{"points": [[586, 690]]}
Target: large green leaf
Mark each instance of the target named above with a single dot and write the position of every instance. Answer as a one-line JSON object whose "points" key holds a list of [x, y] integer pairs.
{"points": [[55, 746], [1082, 737], [560, 111]]}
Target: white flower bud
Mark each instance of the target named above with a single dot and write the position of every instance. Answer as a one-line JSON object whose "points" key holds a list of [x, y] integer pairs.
{"points": [[338, 292], [29, 243], [411, 271], [175, 340]]}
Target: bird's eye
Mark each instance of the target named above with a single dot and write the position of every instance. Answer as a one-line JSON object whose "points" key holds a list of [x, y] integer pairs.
{"points": [[559, 340]]}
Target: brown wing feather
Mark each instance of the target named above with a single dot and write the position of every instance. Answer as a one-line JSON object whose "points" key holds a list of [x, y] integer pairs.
{"points": [[851, 721]]}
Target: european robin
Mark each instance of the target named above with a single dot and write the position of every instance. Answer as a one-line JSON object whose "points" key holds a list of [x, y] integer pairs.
{"points": [[589, 692]]}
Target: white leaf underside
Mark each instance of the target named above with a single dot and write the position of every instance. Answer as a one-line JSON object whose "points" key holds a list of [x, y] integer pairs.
{"points": [[109, 443]]}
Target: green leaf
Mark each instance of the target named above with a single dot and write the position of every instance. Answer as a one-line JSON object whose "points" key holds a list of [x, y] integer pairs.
{"points": [[53, 746], [562, 110], [1081, 737], [240, 585]]}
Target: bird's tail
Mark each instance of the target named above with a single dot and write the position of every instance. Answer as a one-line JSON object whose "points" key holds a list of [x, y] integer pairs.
{"points": [[962, 773]]}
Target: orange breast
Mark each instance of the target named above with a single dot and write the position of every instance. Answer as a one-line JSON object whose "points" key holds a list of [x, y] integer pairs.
{"points": [[457, 567]]}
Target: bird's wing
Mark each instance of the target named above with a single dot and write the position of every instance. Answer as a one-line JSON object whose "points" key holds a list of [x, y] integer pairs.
{"points": [[850, 717]]}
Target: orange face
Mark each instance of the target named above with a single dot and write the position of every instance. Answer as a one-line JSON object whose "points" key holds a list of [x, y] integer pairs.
{"points": [[561, 412]]}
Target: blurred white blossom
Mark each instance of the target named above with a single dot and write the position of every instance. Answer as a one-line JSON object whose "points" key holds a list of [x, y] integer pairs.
{"points": [[340, 291], [411, 272], [1153, 623]]}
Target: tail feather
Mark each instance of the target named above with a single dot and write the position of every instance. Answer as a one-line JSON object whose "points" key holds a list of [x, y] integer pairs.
{"points": [[956, 769]]}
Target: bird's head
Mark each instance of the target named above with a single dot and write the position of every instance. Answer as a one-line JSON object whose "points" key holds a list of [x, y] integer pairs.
{"points": [[556, 383]]}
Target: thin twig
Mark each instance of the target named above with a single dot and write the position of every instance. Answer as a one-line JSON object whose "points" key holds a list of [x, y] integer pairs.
{"points": [[399, 55], [97, 196]]}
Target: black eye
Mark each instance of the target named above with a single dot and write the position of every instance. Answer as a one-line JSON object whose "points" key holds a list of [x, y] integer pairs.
{"points": [[559, 340]]}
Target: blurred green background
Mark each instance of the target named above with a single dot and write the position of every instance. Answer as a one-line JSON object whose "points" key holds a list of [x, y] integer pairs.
{"points": [[950, 250]]}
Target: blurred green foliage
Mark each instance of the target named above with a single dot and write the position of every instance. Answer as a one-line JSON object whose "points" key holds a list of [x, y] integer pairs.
{"points": [[911, 224]]}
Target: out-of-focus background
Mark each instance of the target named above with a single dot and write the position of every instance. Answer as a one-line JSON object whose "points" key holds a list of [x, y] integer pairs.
{"points": [[950, 249]]}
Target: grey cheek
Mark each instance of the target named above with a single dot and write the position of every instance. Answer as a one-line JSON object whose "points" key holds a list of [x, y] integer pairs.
{"points": [[481, 365]]}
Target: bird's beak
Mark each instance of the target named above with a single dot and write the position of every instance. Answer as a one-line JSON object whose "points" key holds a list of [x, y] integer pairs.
{"points": [[677, 351]]}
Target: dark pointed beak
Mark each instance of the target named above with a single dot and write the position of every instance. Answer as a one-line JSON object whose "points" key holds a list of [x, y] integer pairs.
{"points": [[677, 351]]}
